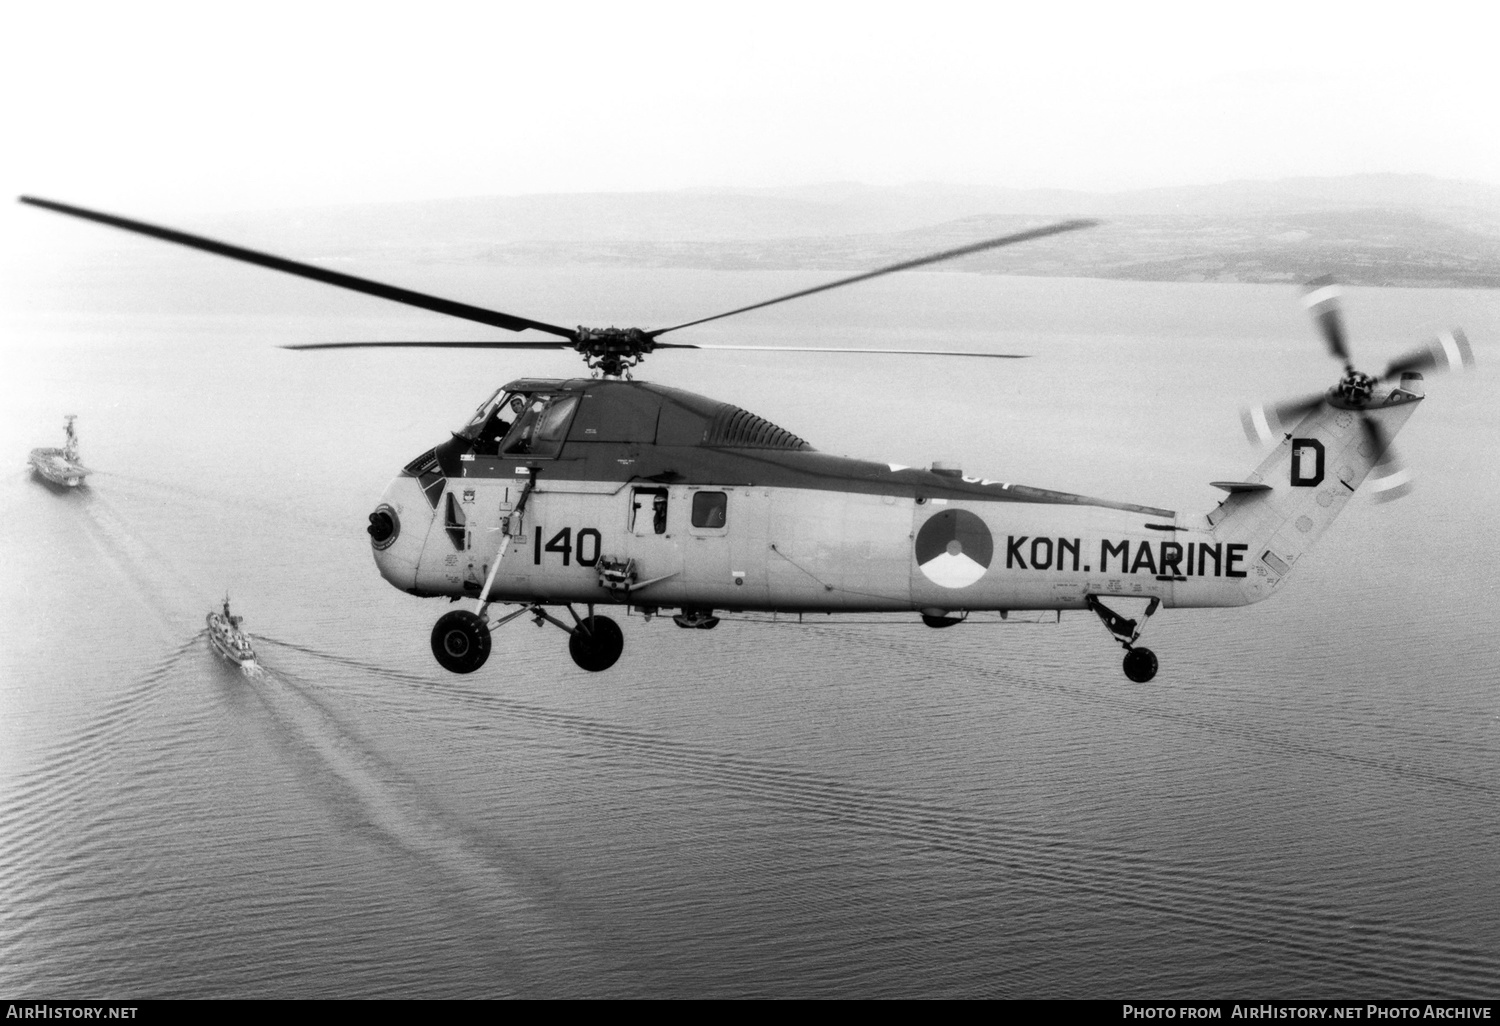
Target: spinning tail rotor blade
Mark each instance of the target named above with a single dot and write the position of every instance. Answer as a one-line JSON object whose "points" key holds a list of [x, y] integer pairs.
{"points": [[1389, 480], [1449, 351], [494, 318], [1264, 424], [905, 265], [1321, 297]]}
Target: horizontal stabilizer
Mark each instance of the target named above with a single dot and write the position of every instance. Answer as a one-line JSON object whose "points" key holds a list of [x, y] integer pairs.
{"points": [[1241, 486]]}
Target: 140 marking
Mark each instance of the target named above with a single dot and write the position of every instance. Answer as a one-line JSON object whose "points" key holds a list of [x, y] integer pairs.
{"points": [[585, 549]]}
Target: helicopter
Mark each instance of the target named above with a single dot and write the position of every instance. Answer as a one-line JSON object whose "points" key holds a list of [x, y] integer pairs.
{"points": [[606, 491]]}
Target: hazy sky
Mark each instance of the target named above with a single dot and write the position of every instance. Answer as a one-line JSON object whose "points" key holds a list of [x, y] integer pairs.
{"points": [[148, 107]]}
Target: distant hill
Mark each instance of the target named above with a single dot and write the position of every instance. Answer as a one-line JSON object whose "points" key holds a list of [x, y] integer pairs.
{"points": [[1412, 230]]}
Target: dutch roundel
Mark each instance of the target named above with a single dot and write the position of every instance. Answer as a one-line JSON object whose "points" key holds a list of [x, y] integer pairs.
{"points": [[954, 548]]}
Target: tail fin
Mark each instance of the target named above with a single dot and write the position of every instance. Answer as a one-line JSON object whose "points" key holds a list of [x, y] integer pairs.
{"points": [[1301, 487]]}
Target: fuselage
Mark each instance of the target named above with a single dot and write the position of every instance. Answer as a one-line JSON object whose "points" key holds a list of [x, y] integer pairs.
{"points": [[635, 493]]}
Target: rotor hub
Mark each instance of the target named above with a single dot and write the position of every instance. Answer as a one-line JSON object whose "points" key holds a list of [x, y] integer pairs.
{"points": [[1355, 387], [611, 352]]}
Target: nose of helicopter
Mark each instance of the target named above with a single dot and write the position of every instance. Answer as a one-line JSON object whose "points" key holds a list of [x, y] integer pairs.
{"points": [[398, 530]]}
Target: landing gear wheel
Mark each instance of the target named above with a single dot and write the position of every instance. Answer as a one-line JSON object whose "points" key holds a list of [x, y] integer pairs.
{"points": [[1140, 664], [596, 644], [461, 641]]}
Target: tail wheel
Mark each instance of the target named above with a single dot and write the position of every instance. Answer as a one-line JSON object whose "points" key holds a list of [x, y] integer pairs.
{"points": [[1140, 664], [596, 644], [461, 641]]}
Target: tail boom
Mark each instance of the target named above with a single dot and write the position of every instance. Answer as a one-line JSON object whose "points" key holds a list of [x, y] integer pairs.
{"points": [[1281, 510]]}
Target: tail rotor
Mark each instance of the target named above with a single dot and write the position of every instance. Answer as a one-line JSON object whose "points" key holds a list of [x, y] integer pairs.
{"points": [[1356, 390], [1389, 479]]}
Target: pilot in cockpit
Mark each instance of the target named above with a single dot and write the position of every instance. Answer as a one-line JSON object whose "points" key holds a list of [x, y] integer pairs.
{"points": [[525, 424], [496, 426]]}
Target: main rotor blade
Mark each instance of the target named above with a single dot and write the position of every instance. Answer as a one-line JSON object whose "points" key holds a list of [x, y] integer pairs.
{"points": [[841, 349], [1321, 297], [1446, 352], [432, 345], [905, 265], [526, 344], [494, 318]]}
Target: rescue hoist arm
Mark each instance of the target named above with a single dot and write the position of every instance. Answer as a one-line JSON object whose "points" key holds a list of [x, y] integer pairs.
{"points": [[489, 582]]}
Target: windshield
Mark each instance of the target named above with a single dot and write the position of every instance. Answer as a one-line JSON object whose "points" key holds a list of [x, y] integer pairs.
{"points": [[471, 429]]}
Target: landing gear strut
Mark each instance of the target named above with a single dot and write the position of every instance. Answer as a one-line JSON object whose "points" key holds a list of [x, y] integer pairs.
{"points": [[461, 639], [594, 642], [1140, 663]]}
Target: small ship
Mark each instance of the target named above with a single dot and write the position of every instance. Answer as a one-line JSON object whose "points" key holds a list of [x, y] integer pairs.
{"points": [[61, 466], [228, 640]]}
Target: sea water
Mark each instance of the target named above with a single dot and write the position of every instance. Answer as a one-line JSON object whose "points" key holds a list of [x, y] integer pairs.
{"points": [[1305, 802]]}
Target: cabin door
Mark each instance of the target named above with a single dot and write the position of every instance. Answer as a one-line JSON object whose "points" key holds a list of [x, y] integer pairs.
{"points": [[650, 523], [705, 552]]}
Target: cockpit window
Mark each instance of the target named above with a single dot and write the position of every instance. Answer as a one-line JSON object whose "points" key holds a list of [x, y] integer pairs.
{"points": [[541, 426], [492, 421], [552, 426]]}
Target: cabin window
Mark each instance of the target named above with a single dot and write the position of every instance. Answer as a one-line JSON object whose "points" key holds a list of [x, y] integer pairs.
{"points": [[648, 511], [541, 427], [709, 509]]}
